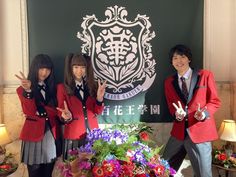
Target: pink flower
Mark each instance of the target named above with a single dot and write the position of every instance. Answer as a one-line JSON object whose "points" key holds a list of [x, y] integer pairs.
{"points": [[85, 165]]}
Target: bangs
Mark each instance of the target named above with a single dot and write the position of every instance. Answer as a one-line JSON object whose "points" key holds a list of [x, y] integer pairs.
{"points": [[42, 61], [78, 60], [179, 52], [45, 65]]}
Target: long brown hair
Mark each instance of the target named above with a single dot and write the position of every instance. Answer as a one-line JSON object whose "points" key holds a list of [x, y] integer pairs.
{"points": [[69, 79]]}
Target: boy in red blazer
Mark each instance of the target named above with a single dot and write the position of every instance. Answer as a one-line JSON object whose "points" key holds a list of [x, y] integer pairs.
{"points": [[192, 100]]}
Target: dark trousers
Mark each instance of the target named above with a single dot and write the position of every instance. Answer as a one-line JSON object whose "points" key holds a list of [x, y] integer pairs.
{"points": [[40, 170]]}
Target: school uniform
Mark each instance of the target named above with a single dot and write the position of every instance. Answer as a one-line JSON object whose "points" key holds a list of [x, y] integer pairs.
{"points": [[84, 110], [191, 136], [40, 133]]}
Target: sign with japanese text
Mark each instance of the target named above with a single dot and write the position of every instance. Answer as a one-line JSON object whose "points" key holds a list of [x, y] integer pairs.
{"points": [[128, 42]]}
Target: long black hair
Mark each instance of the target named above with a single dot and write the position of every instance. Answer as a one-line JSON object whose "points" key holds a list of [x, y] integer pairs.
{"points": [[42, 61]]}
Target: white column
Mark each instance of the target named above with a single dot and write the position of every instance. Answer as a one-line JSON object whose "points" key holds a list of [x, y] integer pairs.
{"points": [[219, 38], [13, 55], [14, 42], [233, 45]]}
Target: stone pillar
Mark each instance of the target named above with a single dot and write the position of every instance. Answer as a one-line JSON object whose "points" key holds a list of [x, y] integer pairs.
{"points": [[233, 100]]}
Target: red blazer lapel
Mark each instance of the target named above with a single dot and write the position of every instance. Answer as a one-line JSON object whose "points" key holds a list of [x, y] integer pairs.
{"points": [[194, 82]]}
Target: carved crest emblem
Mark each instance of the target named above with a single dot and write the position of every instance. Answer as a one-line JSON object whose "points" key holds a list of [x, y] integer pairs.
{"points": [[120, 51]]}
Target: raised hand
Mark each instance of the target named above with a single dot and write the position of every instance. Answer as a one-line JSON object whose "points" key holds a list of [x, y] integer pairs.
{"points": [[180, 113], [66, 114], [101, 90], [25, 83], [199, 114]]}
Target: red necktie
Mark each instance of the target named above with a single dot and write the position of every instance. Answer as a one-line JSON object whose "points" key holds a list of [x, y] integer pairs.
{"points": [[184, 88]]}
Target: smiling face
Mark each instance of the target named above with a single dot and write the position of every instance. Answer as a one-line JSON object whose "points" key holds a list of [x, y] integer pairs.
{"points": [[79, 72], [43, 74], [180, 63]]}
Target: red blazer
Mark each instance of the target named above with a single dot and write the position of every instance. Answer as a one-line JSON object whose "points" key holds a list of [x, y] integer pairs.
{"points": [[203, 91], [34, 126], [76, 129]]}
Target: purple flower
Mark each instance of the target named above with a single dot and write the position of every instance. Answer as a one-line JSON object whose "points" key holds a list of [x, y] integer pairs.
{"points": [[139, 157], [87, 148], [107, 136], [118, 148]]}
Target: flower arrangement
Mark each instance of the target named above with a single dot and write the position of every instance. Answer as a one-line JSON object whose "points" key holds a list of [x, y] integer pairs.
{"points": [[7, 166], [119, 151], [220, 158]]}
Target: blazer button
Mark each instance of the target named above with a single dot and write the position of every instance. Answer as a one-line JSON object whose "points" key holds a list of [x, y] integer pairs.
{"points": [[46, 118], [85, 118], [84, 107]]}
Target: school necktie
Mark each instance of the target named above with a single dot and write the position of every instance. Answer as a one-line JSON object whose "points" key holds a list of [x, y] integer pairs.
{"points": [[184, 88], [80, 90], [42, 89]]}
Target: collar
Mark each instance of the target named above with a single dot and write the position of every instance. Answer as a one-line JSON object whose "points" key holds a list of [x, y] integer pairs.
{"points": [[187, 74], [41, 83], [80, 83]]}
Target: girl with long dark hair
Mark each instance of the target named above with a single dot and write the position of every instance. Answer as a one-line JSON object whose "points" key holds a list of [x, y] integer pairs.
{"points": [[80, 100], [41, 132]]}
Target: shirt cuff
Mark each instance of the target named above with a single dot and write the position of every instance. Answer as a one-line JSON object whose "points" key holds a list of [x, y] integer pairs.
{"points": [[28, 94], [41, 111], [99, 103]]}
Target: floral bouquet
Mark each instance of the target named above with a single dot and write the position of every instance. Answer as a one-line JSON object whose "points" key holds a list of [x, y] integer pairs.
{"points": [[120, 151], [7, 166], [220, 158]]}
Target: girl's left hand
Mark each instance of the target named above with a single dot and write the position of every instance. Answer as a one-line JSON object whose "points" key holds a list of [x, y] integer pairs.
{"points": [[101, 90]]}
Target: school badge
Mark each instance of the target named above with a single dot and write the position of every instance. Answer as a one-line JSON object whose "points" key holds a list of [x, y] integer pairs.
{"points": [[120, 51]]}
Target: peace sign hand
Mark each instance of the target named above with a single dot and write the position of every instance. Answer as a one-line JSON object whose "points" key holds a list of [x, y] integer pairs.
{"points": [[101, 90], [180, 113], [25, 83], [199, 114], [66, 114]]}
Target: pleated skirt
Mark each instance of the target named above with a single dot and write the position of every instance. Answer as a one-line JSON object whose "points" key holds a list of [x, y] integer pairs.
{"points": [[41, 152], [71, 145]]}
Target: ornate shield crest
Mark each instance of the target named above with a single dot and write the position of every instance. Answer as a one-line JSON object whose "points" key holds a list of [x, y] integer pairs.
{"points": [[120, 52]]}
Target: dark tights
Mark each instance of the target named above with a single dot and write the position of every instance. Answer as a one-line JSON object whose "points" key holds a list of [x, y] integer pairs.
{"points": [[40, 170]]}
